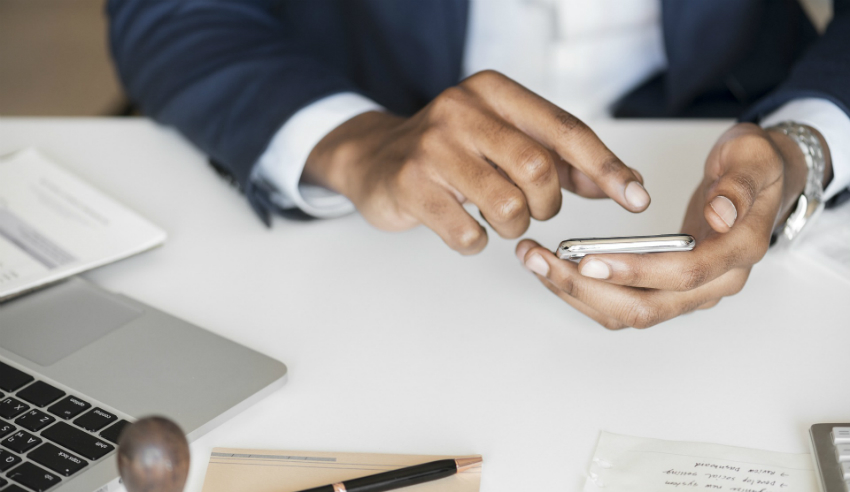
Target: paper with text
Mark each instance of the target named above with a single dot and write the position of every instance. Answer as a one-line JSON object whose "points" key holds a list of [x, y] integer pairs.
{"points": [[634, 464], [54, 225], [290, 471]]}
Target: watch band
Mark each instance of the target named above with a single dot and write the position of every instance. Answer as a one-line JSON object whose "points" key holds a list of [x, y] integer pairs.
{"points": [[810, 203]]}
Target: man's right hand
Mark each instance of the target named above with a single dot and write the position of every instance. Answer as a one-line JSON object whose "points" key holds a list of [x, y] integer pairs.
{"points": [[487, 140]]}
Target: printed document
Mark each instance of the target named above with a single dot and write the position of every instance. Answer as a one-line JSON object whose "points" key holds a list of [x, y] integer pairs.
{"points": [[54, 225], [634, 464]]}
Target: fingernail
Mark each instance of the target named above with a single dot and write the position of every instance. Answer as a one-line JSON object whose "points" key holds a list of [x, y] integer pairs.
{"points": [[521, 251], [596, 269], [537, 264], [724, 207], [637, 196]]}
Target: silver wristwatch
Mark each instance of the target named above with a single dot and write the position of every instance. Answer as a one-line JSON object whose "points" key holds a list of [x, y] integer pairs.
{"points": [[811, 202]]}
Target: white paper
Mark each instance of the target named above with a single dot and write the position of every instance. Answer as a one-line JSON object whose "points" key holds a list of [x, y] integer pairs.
{"points": [[635, 464], [54, 225]]}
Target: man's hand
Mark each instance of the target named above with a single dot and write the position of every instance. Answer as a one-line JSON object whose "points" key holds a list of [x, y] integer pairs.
{"points": [[488, 140], [752, 179]]}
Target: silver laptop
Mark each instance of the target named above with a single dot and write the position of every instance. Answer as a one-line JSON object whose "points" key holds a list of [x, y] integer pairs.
{"points": [[78, 363]]}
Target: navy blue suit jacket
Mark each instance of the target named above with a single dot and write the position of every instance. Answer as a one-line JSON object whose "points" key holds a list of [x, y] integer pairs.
{"points": [[229, 73]]}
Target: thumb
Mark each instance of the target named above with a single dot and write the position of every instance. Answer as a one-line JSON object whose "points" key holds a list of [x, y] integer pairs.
{"points": [[732, 196], [522, 248]]}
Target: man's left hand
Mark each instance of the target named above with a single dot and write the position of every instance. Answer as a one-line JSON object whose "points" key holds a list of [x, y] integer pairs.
{"points": [[752, 179]]}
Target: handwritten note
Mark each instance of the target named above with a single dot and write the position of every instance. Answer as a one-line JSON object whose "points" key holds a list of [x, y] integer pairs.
{"points": [[634, 464]]}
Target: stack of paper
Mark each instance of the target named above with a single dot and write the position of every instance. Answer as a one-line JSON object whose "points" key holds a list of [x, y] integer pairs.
{"points": [[54, 225]]}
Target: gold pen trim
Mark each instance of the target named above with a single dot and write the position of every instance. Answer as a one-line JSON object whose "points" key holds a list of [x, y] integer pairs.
{"points": [[464, 464]]}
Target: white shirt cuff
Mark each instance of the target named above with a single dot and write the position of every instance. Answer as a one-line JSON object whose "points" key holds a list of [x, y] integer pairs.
{"points": [[283, 161], [832, 123]]}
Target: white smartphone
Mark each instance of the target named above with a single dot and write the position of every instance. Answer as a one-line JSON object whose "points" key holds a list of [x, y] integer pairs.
{"points": [[576, 249]]}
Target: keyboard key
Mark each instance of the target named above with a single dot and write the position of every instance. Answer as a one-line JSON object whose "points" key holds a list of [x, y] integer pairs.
{"points": [[61, 462], [69, 407], [114, 432], [842, 452], [21, 441], [841, 435], [11, 378], [35, 420], [77, 441], [40, 394], [8, 460], [15, 488], [33, 477], [95, 420], [10, 407], [6, 428], [3, 482]]}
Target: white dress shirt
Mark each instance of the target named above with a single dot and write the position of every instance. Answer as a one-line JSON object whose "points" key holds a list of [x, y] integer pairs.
{"points": [[581, 55]]}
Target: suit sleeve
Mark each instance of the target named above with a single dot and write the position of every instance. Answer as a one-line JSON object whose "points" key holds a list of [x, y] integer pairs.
{"points": [[225, 73], [823, 72]]}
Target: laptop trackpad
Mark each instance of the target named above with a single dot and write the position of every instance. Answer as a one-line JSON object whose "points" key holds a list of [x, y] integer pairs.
{"points": [[47, 326]]}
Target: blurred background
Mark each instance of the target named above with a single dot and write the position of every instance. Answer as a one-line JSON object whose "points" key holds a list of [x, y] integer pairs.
{"points": [[54, 57]]}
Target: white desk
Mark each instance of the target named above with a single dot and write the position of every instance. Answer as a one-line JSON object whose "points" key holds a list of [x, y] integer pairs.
{"points": [[396, 344]]}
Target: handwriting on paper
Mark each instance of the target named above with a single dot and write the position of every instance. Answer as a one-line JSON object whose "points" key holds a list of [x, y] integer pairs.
{"points": [[634, 464], [713, 476]]}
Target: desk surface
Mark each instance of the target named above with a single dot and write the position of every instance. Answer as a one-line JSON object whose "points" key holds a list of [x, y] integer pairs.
{"points": [[396, 344]]}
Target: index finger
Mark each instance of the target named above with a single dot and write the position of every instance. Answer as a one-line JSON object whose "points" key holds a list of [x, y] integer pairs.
{"points": [[567, 135]]}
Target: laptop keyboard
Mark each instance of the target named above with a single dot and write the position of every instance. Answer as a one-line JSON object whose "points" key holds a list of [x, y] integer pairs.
{"points": [[47, 435]]}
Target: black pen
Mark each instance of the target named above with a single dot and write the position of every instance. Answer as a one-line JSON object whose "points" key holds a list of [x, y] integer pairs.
{"points": [[403, 477]]}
